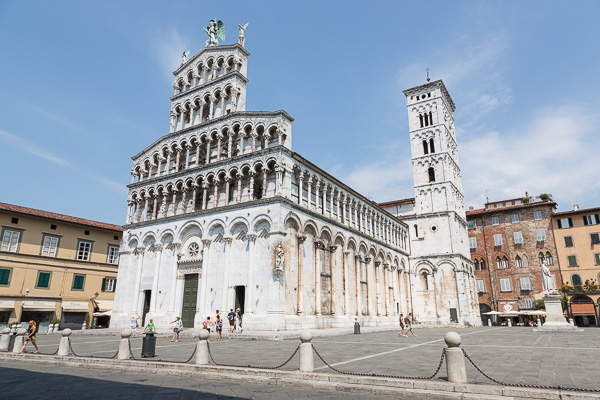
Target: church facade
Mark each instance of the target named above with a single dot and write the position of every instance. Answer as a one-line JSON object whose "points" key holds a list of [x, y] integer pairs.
{"points": [[223, 214]]}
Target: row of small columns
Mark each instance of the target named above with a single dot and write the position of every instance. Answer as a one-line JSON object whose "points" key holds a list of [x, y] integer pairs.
{"points": [[318, 245], [186, 113], [186, 205], [208, 143], [207, 74], [368, 220]]}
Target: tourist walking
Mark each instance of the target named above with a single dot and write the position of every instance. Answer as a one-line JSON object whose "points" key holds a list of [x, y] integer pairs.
{"points": [[31, 337], [207, 324], [409, 323], [231, 319], [219, 328], [133, 323], [402, 325], [177, 329], [238, 320]]}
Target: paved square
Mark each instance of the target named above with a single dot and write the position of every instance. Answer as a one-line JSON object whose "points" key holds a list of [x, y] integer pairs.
{"points": [[511, 355]]}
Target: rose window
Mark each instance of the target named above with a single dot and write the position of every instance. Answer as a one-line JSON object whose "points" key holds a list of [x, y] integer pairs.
{"points": [[193, 250]]}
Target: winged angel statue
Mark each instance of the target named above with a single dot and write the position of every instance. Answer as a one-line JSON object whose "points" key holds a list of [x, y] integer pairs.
{"points": [[215, 30]]}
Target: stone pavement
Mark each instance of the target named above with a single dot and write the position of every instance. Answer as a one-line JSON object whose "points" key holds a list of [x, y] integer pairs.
{"points": [[18, 379], [512, 355]]}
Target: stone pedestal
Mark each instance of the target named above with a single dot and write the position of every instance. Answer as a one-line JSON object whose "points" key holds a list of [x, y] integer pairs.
{"points": [[555, 321]]}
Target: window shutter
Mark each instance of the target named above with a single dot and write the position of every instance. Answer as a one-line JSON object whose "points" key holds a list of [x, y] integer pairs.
{"points": [[103, 285], [559, 223], [570, 222], [585, 221], [597, 219]]}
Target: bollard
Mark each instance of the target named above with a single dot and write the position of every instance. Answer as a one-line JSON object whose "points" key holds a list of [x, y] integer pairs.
{"points": [[202, 348], [509, 322], [124, 345], [356, 328], [307, 358], [19, 340], [455, 359], [571, 322], [63, 346], [489, 322], [5, 339], [83, 326]]}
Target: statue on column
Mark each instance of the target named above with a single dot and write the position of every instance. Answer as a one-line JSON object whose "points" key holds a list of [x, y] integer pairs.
{"points": [[549, 283], [279, 260], [241, 37], [184, 56], [215, 30]]}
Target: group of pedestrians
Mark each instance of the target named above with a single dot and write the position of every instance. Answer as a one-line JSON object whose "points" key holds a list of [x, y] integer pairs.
{"points": [[235, 323], [406, 325]]}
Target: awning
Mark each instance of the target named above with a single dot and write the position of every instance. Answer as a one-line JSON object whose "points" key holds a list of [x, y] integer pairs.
{"points": [[103, 314], [39, 308], [583, 309], [7, 305], [48, 306], [104, 305], [76, 309]]}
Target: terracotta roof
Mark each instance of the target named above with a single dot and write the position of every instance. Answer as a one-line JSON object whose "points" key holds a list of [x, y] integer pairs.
{"points": [[402, 201], [58, 217], [508, 208], [583, 210]]}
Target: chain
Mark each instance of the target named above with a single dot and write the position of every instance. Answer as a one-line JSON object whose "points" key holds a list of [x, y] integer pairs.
{"points": [[382, 376], [524, 385], [90, 356], [182, 362], [251, 366]]}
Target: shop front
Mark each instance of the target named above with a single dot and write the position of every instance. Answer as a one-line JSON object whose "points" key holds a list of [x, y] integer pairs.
{"points": [[7, 312], [74, 314], [102, 313], [42, 312], [583, 311]]}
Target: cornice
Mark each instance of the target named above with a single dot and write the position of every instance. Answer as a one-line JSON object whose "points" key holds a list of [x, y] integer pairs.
{"points": [[439, 84], [235, 46]]}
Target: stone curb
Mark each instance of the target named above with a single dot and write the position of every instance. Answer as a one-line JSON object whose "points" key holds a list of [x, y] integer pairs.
{"points": [[427, 389]]}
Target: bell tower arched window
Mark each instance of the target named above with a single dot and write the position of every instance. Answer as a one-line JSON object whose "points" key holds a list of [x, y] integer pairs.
{"points": [[431, 173], [431, 147], [425, 148]]}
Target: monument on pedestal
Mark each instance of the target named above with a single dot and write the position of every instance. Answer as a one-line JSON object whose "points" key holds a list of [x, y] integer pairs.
{"points": [[555, 320]]}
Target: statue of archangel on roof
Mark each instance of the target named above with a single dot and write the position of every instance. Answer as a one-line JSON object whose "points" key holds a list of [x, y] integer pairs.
{"points": [[215, 30]]}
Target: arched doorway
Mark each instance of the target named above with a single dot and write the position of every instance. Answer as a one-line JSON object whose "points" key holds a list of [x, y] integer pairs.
{"points": [[483, 308], [583, 311]]}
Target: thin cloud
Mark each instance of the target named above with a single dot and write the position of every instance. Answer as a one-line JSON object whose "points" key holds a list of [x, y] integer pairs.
{"points": [[52, 116], [109, 183], [32, 149], [167, 48]]}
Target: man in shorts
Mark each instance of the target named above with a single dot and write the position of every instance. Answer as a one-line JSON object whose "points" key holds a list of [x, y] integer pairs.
{"points": [[231, 319], [409, 322], [402, 325]]}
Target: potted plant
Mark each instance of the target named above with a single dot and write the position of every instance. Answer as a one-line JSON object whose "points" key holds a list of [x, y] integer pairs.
{"points": [[526, 200], [544, 196]]}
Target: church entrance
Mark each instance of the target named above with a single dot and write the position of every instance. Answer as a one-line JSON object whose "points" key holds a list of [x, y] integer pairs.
{"points": [[190, 295], [147, 296], [240, 295]]}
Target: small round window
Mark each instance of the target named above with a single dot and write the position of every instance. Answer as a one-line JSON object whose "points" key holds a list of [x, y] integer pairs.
{"points": [[434, 228], [193, 250]]}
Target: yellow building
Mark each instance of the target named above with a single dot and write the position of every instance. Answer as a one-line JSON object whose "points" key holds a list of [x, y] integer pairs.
{"points": [[55, 266], [577, 235]]}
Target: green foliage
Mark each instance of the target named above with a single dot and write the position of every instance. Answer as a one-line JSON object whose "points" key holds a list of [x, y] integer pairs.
{"points": [[563, 302], [526, 200], [55, 321], [544, 196], [539, 304]]}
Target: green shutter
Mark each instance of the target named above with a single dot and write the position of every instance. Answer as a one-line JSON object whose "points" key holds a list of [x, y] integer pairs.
{"points": [[570, 222], [103, 288], [78, 282], [43, 279], [4, 275], [597, 258], [597, 218]]}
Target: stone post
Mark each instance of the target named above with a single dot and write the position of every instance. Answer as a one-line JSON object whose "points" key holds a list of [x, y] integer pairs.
{"points": [[63, 346], [124, 345], [509, 323], [19, 340], [490, 321], [571, 322], [202, 348], [307, 359], [455, 359], [5, 339]]}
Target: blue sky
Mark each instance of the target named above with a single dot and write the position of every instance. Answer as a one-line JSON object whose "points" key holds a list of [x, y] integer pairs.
{"points": [[86, 85]]}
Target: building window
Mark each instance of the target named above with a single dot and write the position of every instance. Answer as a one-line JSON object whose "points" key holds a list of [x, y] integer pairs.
{"points": [[113, 255], [549, 259], [525, 283], [518, 237], [564, 223], [576, 280], [43, 279], [5, 276], [431, 173], [431, 146], [505, 285], [595, 238], [471, 224], [425, 147], [482, 264], [519, 262], [495, 221], [528, 303], [537, 215], [425, 281], [473, 243], [476, 264], [50, 246], [597, 258], [514, 218], [591, 219], [572, 261], [78, 282], [10, 240], [83, 250], [498, 240], [541, 235], [109, 284], [568, 241], [480, 284], [504, 262]]}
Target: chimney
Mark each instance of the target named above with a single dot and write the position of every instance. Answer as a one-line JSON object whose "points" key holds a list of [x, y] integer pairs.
{"points": [[575, 207]]}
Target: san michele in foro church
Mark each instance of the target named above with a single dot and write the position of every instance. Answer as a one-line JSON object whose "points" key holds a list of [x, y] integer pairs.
{"points": [[223, 214]]}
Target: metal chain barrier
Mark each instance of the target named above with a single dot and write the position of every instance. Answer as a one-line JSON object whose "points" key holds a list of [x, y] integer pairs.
{"points": [[181, 362], [525, 385], [90, 356], [251, 366], [383, 376]]}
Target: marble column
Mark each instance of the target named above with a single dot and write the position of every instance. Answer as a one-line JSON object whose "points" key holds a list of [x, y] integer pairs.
{"points": [[154, 206], [369, 290], [386, 269], [264, 188], [394, 290], [216, 193], [225, 297], [301, 239], [317, 267], [230, 145], [139, 251], [174, 202], [309, 184], [157, 248], [239, 188], [174, 281], [194, 195], [197, 154], [227, 189], [146, 201], [249, 304], [378, 287], [168, 164], [358, 268], [219, 138], [251, 197], [129, 211], [204, 195], [300, 188], [183, 208], [345, 255], [203, 282], [332, 250], [207, 150], [187, 156]]}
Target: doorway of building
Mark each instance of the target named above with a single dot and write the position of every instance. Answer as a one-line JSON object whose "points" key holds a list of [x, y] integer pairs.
{"points": [[147, 296], [240, 296], [190, 295]]}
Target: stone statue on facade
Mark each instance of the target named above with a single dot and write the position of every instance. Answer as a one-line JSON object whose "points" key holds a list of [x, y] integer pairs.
{"points": [[241, 37], [279, 260], [184, 56], [215, 30], [547, 279]]}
